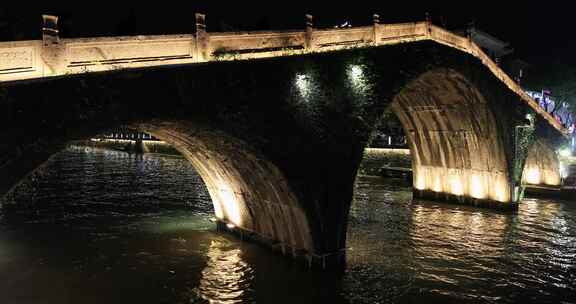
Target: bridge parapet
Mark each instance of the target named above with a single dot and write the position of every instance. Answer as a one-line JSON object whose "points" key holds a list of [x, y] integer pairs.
{"points": [[29, 59]]}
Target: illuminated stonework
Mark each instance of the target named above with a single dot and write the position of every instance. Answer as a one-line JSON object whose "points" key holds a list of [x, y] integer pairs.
{"points": [[542, 166], [247, 191], [453, 138]]}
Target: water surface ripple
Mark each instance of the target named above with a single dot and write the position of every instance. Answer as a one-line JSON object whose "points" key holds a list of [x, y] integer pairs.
{"points": [[98, 226]]}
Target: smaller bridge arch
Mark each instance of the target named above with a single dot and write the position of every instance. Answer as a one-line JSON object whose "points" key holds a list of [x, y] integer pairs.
{"points": [[542, 166]]}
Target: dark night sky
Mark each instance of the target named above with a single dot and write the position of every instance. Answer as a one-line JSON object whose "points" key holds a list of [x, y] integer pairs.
{"points": [[539, 31]]}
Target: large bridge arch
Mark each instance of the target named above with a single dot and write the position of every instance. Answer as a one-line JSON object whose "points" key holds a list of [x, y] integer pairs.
{"points": [[457, 144], [248, 191]]}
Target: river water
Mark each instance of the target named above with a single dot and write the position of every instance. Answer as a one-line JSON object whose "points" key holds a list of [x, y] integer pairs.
{"points": [[100, 226]]}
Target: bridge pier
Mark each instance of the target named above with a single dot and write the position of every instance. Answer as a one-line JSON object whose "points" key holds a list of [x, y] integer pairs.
{"points": [[335, 261], [463, 200]]}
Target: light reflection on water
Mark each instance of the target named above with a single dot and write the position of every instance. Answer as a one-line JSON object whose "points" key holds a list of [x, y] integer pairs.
{"points": [[107, 227], [226, 278]]}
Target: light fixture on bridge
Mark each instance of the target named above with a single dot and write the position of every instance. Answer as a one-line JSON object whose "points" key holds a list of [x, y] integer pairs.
{"points": [[356, 74], [357, 77], [303, 84]]}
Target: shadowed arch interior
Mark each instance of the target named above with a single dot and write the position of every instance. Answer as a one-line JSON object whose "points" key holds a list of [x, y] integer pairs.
{"points": [[247, 190], [453, 137]]}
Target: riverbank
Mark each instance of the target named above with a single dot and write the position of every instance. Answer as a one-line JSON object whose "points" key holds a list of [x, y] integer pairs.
{"points": [[377, 158], [131, 146]]}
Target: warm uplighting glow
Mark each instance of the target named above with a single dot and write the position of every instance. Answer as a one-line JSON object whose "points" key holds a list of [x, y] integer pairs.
{"points": [[230, 206], [552, 178], [419, 182], [226, 206], [477, 186], [218, 211], [532, 175], [456, 187], [502, 191], [437, 187], [230, 226], [463, 182]]}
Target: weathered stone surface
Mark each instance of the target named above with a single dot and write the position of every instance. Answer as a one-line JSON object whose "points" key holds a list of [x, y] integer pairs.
{"points": [[457, 143], [542, 165]]}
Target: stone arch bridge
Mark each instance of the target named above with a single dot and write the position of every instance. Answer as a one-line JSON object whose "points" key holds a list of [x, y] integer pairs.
{"points": [[276, 122]]}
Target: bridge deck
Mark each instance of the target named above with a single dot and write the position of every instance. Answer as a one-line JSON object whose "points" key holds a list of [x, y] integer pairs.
{"points": [[22, 60]]}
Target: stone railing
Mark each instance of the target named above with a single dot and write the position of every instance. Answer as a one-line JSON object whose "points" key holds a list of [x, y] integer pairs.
{"points": [[53, 56]]}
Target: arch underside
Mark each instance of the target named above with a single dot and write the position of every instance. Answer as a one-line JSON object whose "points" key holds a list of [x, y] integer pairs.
{"points": [[248, 192], [457, 149]]}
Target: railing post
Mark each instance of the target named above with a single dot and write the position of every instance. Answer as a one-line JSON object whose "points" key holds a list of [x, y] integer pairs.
{"points": [[53, 49], [470, 42], [428, 25], [376, 25], [202, 39], [50, 34], [309, 39]]}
